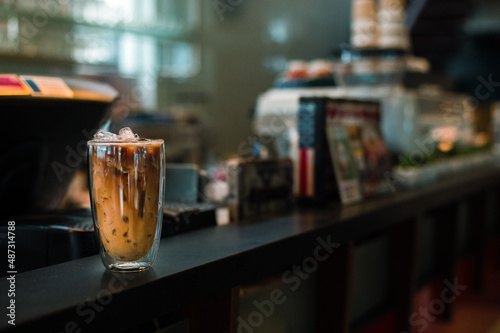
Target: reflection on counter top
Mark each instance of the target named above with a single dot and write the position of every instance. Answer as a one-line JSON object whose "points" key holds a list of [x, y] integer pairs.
{"points": [[224, 257]]}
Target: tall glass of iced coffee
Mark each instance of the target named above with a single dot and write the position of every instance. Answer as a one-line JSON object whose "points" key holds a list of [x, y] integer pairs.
{"points": [[126, 189]]}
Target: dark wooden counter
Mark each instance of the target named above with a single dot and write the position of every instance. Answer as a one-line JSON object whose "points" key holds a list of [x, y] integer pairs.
{"points": [[82, 295]]}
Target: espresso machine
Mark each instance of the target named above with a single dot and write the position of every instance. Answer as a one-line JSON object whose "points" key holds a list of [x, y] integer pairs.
{"points": [[49, 122]]}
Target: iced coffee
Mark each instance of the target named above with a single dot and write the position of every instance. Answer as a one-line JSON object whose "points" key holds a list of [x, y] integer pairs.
{"points": [[126, 175]]}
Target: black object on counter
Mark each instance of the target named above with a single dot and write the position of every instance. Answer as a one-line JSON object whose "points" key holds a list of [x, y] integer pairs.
{"points": [[179, 218], [45, 142], [182, 209], [49, 239], [284, 83]]}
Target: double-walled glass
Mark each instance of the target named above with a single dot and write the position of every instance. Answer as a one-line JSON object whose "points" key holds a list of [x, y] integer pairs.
{"points": [[126, 190]]}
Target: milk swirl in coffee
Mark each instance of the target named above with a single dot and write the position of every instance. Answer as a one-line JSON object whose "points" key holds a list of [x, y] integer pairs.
{"points": [[126, 179]]}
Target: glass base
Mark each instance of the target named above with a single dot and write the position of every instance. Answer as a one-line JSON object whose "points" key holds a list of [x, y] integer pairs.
{"points": [[123, 267]]}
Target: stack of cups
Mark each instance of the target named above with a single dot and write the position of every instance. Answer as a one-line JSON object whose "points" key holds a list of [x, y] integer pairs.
{"points": [[383, 28], [364, 27], [392, 27]]}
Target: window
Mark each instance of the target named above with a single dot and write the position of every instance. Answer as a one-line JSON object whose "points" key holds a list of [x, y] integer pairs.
{"points": [[125, 37]]}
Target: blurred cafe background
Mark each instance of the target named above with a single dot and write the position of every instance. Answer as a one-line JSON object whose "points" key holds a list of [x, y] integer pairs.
{"points": [[267, 107]]}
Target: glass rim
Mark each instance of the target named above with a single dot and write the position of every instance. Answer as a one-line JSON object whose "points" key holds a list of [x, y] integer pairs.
{"points": [[124, 143]]}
